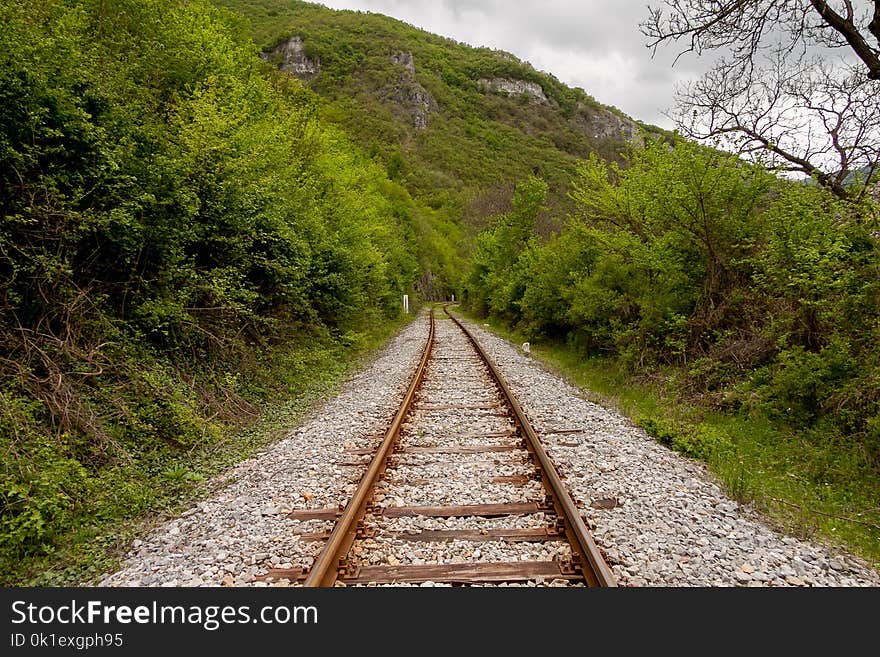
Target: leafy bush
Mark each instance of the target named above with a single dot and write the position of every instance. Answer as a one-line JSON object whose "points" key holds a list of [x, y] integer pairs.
{"points": [[748, 291], [41, 487], [699, 441], [172, 211]]}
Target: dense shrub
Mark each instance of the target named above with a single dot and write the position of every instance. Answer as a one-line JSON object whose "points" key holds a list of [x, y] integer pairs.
{"points": [[171, 209], [761, 294]]}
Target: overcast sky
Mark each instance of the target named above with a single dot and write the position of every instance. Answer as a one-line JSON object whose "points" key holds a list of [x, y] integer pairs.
{"points": [[592, 44]]}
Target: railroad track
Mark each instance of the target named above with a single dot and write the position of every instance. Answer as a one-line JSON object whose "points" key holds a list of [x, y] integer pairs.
{"points": [[461, 475]]}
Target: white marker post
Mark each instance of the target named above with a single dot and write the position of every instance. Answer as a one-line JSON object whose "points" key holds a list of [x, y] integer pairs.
{"points": [[406, 303]]}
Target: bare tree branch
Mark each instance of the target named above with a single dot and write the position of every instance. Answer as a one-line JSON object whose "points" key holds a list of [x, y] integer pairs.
{"points": [[777, 96], [874, 25], [848, 30], [743, 25]]}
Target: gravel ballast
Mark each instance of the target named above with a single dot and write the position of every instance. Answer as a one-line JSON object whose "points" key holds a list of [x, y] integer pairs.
{"points": [[671, 524], [660, 518], [243, 530]]}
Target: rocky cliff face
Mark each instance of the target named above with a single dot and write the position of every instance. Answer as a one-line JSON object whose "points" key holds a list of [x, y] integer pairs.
{"points": [[409, 94], [406, 60], [596, 122], [515, 88], [290, 56], [599, 123]]}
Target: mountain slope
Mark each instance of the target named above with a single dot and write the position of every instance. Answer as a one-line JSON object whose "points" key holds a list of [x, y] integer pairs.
{"points": [[458, 125]]}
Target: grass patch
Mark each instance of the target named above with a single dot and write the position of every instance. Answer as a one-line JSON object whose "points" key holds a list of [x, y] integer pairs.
{"points": [[133, 498], [810, 483]]}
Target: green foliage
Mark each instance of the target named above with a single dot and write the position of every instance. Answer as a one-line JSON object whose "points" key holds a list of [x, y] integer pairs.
{"points": [[700, 441], [496, 274], [171, 212], [738, 290], [40, 484], [476, 143], [645, 266]]}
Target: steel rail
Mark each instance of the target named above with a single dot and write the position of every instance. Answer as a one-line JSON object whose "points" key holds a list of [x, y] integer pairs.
{"points": [[325, 571], [596, 572]]}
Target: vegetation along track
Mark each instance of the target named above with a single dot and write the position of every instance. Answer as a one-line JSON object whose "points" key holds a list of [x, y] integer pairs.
{"points": [[461, 475]]}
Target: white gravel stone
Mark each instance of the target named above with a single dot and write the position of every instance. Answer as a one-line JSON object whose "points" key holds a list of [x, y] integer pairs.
{"points": [[660, 518], [672, 525], [242, 530]]}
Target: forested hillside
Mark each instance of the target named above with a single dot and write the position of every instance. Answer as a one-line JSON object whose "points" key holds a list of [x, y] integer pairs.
{"points": [[457, 125]]}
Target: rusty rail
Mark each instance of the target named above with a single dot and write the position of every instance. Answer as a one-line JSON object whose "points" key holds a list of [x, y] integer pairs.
{"points": [[326, 568], [330, 566], [595, 570]]}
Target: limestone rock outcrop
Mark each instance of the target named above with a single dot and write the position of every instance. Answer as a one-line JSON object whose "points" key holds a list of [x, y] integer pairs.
{"points": [[406, 60], [409, 94], [600, 123], [514, 88], [291, 58]]}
